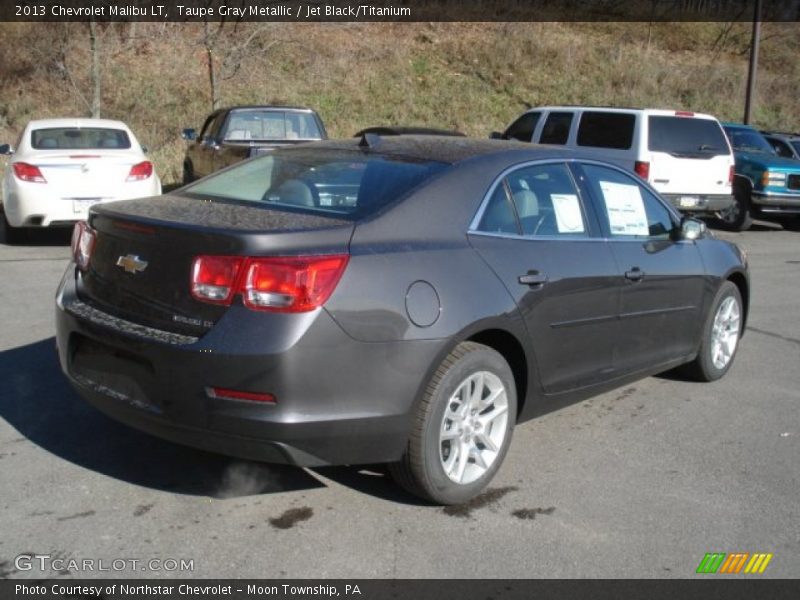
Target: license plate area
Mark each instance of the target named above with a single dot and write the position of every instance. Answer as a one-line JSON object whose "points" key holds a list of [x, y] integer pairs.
{"points": [[83, 204], [688, 201]]}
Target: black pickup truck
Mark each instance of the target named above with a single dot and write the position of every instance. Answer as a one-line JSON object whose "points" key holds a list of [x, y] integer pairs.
{"points": [[239, 132]]}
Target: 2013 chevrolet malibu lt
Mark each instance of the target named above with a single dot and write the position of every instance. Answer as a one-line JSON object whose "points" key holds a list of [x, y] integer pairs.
{"points": [[405, 300]]}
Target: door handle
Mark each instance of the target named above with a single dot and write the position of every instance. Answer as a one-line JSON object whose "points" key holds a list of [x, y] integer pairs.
{"points": [[635, 274], [533, 278]]}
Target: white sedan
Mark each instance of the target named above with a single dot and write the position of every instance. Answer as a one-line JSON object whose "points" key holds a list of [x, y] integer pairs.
{"points": [[61, 167]]}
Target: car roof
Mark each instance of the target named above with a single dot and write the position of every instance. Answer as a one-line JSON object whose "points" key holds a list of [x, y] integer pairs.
{"points": [[407, 130], [669, 112], [266, 107], [782, 135], [737, 126], [76, 122], [446, 149]]}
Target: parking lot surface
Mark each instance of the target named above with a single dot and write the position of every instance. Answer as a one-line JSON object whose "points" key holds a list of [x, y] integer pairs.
{"points": [[639, 482]]}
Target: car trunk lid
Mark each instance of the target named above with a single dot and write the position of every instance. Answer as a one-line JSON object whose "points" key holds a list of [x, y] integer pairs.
{"points": [[141, 265]]}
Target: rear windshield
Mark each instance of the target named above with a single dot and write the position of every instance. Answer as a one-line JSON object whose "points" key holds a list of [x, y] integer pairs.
{"points": [[686, 137], [79, 138], [332, 182], [606, 130], [748, 140], [271, 125]]}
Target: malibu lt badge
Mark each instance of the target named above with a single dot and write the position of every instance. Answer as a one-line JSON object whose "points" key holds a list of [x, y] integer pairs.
{"points": [[132, 264]]}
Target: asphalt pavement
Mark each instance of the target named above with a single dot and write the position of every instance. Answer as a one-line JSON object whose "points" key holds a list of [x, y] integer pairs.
{"points": [[640, 482]]}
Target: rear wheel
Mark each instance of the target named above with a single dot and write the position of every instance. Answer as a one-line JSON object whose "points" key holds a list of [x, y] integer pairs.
{"points": [[462, 428], [721, 334], [737, 216], [11, 234]]}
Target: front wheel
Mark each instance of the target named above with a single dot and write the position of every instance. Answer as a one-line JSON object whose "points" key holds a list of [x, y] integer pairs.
{"points": [[462, 428], [721, 334]]}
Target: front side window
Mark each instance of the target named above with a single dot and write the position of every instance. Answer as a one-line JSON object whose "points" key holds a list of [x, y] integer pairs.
{"points": [[522, 128], [339, 182], [556, 128], [628, 208], [79, 138]]}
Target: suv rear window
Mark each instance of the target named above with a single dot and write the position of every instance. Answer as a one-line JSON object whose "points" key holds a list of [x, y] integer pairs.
{"points": [[79, 138], [332, 182], [686, 137], [606, 130]]}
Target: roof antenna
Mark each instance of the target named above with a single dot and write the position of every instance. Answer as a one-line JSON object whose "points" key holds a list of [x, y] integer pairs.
{"points": [[369, 140]]}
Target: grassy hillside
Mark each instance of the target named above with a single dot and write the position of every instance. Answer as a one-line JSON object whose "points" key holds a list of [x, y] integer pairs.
{"points": [[470, 76]]}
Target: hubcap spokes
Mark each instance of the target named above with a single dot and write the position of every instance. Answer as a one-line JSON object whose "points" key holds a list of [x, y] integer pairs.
{"points": [[473, 427], [725, 332]]}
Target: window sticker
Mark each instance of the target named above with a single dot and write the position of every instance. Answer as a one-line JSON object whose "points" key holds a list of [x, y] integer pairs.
{"points": [[625, 207], [568, 213]]}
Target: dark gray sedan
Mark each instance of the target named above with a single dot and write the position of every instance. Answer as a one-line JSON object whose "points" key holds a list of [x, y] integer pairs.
{"points": [[403, 299]]}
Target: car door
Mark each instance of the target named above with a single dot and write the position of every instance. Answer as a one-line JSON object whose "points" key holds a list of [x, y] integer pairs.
{"points": [[208, 146], [662, 278], [535, 233]]}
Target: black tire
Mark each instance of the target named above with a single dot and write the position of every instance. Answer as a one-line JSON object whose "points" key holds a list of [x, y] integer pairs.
{"points": [[188, 173], [12, 235], [738, 217], [421, 470], [703, 368]]}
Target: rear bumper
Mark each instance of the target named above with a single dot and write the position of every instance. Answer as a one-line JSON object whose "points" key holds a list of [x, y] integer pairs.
{"points": [[777, 202], [338, 401], [36, 205], [700, 203]]}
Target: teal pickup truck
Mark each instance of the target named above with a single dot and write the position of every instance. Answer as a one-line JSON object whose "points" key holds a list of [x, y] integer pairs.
{"points": [[766, 185]]}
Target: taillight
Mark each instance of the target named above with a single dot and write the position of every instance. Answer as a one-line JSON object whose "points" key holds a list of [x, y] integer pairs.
{"points": [[282, 284], [83, 240], [214, 278], [140, 171], [27, 172], [642, 169]]}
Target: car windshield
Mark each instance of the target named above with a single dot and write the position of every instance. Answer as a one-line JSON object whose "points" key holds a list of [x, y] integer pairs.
{"points": [[271, 125], [796, 145], [747, 140], [348, 183], [79, 138]]}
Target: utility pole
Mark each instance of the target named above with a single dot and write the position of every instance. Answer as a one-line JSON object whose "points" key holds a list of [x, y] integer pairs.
{"points": [[751, 71]]}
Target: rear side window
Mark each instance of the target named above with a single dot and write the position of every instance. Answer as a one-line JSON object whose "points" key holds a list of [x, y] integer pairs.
{"points": [[79, 138], [522, 128], [337, 181], [606, 130], [556, 128], [546, 201], [499, 216], [686, 137]]}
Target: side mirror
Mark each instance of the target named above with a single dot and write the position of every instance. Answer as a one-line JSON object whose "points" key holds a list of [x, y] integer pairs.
{"points": [[692, 228], [145, 149], [189, 134], [495, 135], [6, 149]]}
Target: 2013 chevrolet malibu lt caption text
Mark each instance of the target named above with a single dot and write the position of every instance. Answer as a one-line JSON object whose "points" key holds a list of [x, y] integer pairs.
{"points": [[403, 299]]}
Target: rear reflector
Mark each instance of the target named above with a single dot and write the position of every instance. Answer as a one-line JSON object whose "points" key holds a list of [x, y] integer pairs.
{"points": [[83, 240], [140, 171], [731, 173], [27, 172], [226, 394], [642, 169], [281, 284]]}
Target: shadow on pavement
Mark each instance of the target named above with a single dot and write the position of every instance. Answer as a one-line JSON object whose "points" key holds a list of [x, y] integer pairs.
{"points": [[37, 401]]}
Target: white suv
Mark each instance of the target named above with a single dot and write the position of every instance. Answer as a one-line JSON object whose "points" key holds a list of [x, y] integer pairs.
{"points": [[684, 155]]}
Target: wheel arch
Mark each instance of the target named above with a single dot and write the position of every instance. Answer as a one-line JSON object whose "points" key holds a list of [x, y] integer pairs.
{"points": [[740, 281]]}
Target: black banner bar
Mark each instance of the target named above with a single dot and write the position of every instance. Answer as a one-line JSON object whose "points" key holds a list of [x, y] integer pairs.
{"points": [[396, 10], [709, 588]]}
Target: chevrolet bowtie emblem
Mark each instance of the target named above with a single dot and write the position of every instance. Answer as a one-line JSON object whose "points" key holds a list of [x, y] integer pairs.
{"points": [[132, 264]]}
